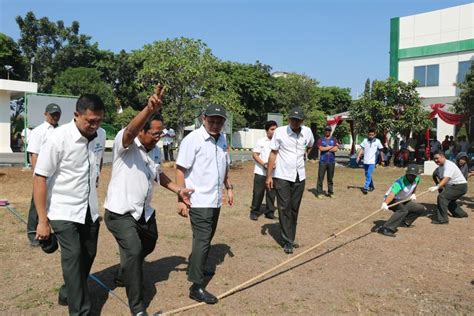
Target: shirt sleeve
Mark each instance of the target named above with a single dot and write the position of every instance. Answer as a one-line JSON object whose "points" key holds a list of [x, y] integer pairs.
{"points": [[310, 140], [49, 158], [187, 152], [34, 141], [379, 145], [396, 188], [336, 142], [258, 147], [363, 144], [448, 170], [118, 143], [276, 140], [319, 143]]}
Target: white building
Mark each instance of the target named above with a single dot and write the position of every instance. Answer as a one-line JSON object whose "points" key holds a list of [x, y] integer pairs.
{"points": [[436, 49]]}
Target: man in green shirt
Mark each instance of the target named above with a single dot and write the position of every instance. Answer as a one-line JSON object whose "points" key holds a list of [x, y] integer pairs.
{"points": [[404, 213]]}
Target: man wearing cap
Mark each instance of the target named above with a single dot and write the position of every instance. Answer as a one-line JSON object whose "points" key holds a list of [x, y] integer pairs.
{"points": [[261, 151], [404, 213], [370, 147], [327, 161], [454, 186], [203, 165], [290, 145], [38, 137], [66, 197]]}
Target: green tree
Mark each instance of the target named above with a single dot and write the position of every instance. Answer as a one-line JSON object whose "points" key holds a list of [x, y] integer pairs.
{"points": [[465, 102], [125, 117], [300, 90], [393, 106], [10, 54], [334, 100], [186, 67], [81, 80]]}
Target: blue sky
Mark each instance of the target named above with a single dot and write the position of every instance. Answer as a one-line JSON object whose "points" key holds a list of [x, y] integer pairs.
{"points": [[337, 42]]}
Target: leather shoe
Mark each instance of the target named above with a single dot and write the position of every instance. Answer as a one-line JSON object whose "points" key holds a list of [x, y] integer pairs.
{"points": [[296, 245], [198, 293], [62, 301], [288, 248], [253, 216], [436, 222], [270, 216], [364, 191], [386, 232]]}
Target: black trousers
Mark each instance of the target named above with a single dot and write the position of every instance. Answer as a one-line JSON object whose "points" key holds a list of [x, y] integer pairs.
{"points": [[447, 202], [32, 221], [259, 190], [406, 213], [203, 224], [136, 240], [168, 151], [78, 249], [289, 195], [322, 170]]}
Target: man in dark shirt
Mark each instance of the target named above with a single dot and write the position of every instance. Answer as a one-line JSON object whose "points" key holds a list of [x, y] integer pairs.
{"points": [[327, 145]]}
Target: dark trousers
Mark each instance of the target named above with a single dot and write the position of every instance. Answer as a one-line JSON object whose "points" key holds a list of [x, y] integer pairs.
{"points": [[405, 213], [78, 248], [168, 151], [32, 221], [136, 240], [322, 170], [259, 190], [447, 202], [289, 195], [203, 223]]}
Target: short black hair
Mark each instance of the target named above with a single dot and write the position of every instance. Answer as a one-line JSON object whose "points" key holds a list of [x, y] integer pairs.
{"points": [[372, 130], [154, 117], [270, 124], [90, 102], [439, 153]]}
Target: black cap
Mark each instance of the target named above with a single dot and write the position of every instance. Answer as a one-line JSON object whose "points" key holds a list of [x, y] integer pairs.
{"points": [[215, 110], [53, 108], [296, 113], [412, 169], [49, 245], [328, 128]]}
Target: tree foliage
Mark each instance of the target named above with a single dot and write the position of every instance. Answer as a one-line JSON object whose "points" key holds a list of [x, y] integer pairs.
{"points": [[81, 80], [465, 102], [10, 54]]}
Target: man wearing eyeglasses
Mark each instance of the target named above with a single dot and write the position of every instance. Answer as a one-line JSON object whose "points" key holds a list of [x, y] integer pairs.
{"points": [[128, 212]]}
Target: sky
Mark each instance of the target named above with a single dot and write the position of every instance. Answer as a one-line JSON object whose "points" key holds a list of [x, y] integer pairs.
{"points": [[337, 42]]}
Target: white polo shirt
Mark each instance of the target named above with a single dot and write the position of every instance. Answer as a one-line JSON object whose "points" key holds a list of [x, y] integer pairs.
{"points": [[291, 152], [449, 169], [71, 162], [262, 147], [134, 173], [168, 140], [371, 149], [206, 161], [38, 137]]}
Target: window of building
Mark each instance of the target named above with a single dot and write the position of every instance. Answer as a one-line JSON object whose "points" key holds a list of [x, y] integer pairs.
{"points": [[427, 76], [463, 69]]}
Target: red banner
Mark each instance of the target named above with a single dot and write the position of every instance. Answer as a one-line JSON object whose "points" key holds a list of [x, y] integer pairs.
{"points": [[335, 120], [450, 118]]}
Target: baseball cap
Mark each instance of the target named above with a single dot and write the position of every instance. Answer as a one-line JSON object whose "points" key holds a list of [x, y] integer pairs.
{"points": [[412, 169], [215, 110], [53, 108], [296, 113], [49, 245]]}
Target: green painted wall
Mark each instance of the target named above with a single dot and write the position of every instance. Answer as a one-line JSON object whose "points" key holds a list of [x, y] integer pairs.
{"points": [[436, 49], [394, 46]]}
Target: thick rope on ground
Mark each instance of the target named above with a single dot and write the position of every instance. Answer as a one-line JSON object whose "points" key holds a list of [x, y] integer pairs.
{"points": [[235, 289]]}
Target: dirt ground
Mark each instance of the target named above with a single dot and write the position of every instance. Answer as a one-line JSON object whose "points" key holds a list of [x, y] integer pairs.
{"points": [[425, 270]]}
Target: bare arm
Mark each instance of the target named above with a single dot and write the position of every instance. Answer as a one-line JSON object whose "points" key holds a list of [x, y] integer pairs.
{"points": [[39, 194], [271, 165], [230, 188], [389, 198], [361, 152], [443, 182], [183, 193], [183, 209], [136, 125], [256, 157]]}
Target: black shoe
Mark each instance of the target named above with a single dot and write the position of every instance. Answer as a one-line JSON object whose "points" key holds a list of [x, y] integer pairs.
{"points": [[288, 248], [386, 232], [118, 282], [371, 189], [406, 225], [296, 245], [253, 216], [270, 216], [198, 293], [62, 301], [436, 222], [364, 191]]}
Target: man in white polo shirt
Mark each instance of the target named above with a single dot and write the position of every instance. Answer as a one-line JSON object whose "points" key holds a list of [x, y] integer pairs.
{"points": [[203, 165], [290, 145], [261, 152], [168, 139], [38, 137], [66, 198], [128, 212], [370, 147], [454, 186]]}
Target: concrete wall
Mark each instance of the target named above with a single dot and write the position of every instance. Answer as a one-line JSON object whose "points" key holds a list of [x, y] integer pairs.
{"points": [[247, 138]]}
